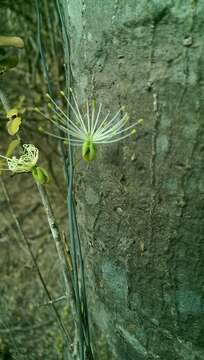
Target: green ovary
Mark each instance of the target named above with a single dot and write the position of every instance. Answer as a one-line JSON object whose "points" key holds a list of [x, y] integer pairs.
{"points": [[89, 151]]}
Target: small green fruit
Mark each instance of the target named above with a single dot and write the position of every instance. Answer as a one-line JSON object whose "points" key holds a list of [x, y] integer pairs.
{"points": [[40, 175], [89, 151]]}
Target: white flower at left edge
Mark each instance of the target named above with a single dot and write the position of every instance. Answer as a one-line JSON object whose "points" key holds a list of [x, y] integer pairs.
{"points": [[24, 163]]}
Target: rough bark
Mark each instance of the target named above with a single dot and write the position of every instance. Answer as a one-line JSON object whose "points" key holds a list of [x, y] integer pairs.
{"points": [[141, 203]]}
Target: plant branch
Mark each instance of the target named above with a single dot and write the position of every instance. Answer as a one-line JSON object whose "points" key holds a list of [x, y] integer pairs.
{"points": [[25, 240]]}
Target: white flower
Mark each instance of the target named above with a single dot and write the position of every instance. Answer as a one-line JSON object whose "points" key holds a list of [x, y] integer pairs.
{"points": [[25, 163], [91, 128]]}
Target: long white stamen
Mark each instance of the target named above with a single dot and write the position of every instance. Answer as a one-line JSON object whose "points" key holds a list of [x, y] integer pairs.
{"points": [[130, 127], [114, 140], [70, 123], [77, 113], [111, 129], [93, 116], [88, 117], [97, 118], [63, 113], [53, 135], [67, 130], [76, 131], [110, 122]]}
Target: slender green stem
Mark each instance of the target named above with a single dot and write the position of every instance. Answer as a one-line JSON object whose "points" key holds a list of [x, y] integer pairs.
{"points": [[40, 45], [54, 231], [83, 290], [78, 269]]}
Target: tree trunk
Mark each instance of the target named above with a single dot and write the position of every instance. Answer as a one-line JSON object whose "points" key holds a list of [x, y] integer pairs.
{"points": [[141, 202]]}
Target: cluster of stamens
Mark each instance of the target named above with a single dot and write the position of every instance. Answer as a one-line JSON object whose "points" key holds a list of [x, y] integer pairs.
{"points": [[91, 127]]}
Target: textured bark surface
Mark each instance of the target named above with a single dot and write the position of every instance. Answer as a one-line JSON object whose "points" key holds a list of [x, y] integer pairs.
{"points": [[141, 203]]}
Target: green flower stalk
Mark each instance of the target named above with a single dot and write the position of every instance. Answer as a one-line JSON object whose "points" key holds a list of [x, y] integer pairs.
{"points": [[91, 128]]}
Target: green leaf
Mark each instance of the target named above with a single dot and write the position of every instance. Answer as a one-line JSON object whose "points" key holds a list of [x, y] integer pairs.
{"points": [[11, 148], [13, 125]]}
